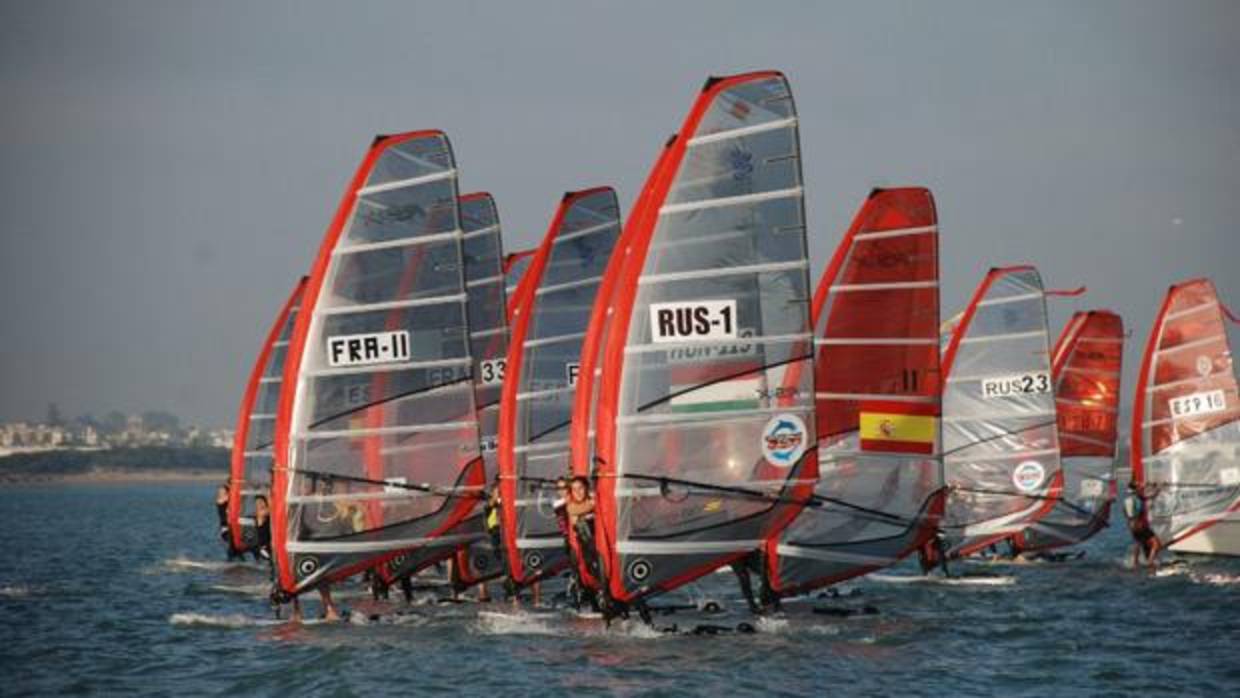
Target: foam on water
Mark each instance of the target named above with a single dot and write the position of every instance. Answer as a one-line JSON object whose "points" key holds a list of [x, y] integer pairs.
{"points": [[16, 591], [996, 581], [514, 623]]}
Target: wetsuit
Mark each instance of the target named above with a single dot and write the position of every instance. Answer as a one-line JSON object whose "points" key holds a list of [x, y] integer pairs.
{"points": [[221, 510], [262, 544]]}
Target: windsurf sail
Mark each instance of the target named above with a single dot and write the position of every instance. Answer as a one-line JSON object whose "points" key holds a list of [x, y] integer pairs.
{"points": [[551, 312], [250, 468], [704, 421], [1086, 365], [377, 433], [876, 310], [581, 432], [1186, 419], [488, 339], [1000, 437]]}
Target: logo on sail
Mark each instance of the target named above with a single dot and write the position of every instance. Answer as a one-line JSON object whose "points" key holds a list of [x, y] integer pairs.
{"points": [[1028, 476], [784, 439]]}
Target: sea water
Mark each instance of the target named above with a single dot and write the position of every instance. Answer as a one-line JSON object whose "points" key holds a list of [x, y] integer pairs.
{"points": [[123, 589]]}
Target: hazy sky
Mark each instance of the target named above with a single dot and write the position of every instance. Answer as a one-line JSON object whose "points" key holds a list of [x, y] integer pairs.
{"points": [[168, 169]]}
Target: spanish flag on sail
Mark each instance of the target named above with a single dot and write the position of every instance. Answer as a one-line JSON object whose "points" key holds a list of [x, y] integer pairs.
{"points": [[899, 427]]}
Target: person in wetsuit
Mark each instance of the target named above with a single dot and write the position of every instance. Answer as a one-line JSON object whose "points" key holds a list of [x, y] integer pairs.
{"points": [[1145, 542], [221, 511], [262, 529]]}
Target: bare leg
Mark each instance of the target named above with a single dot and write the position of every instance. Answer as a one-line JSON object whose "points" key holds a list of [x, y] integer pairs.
{"points": [[329, 606], [296, 617], [537, 588], [484, 596], [1152, 557]]}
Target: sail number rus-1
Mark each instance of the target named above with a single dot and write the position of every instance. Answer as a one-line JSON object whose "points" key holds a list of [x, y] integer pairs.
{"points": [[692, 321], [365, 349]]}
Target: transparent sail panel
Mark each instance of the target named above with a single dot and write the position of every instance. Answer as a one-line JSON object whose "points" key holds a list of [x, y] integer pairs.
{"points": [[1000, 441], [384, 435], [715, 412]]}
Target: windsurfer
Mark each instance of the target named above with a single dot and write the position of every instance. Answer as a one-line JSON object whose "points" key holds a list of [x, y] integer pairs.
{"points": [[262, 529], [221, 511], [1145, 542]]}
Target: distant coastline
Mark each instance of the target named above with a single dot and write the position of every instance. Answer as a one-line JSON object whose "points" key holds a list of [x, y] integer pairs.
{"points": [[154, 464]]}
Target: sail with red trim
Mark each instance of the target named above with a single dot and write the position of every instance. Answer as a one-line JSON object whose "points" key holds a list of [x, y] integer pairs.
{"points": [[482, 252], [581, 432], [377, 432], [1086, 367], [250, 467], [548, 324], [1186, 424], [1000, 438], [705, 441], [877, 386]]}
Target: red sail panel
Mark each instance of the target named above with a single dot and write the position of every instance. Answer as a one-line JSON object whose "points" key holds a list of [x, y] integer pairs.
{"points": [[1186, 416], [877, 386]]}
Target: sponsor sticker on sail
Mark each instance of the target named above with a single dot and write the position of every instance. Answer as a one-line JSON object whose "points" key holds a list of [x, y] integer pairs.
{"points": [[898, 427], [784, 440], [1028, 476]]}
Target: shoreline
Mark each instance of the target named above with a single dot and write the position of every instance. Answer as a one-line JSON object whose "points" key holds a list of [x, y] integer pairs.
{"points": [[104, 476]]}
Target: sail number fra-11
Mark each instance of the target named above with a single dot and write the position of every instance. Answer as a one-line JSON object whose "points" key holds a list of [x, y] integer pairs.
{"points": [[366, 349]]}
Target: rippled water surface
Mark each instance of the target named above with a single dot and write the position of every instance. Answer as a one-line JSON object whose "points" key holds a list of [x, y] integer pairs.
{"points": [[119, 588]]}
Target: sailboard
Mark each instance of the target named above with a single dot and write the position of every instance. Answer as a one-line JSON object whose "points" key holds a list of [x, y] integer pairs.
{"points": [[1086, 365], [251, 462], [704, 419], [548, 324], [377, 449], [880, 489], [1001, 459], [1186, 424]]}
